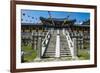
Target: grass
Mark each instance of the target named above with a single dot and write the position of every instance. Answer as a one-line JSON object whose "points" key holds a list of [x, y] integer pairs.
{"points": [[83, 54], [27, 48], [86, 45], [30, 57], [30, 53]]}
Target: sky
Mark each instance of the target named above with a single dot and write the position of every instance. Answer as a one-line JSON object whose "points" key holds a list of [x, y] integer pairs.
{"points": [[32, 16]]}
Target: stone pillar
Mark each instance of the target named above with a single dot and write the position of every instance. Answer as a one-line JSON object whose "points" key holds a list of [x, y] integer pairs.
{"points": [[75, 47], [82, 43], [32, 40], [39, 46]]}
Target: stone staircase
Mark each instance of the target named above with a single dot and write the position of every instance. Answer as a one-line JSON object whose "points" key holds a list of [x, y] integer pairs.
{"points": [[64, 49], [50, 51]]}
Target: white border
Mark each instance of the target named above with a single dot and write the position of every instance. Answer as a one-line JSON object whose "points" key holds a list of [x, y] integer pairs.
{"points": [[20, 65]]}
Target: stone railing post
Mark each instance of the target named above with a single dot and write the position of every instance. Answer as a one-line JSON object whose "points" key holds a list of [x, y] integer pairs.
{"points": [[39, 48], [75, 49]]}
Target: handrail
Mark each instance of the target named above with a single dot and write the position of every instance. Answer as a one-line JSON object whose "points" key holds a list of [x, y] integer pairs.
{"points": [[45, 42], [70, 43]]}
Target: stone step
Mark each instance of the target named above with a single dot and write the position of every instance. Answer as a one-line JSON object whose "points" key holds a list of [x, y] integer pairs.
{"points": [[65, 53], [50, 51], [51, 55], [51, 46], [64, 50], [66, 56], [60, 51]]}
